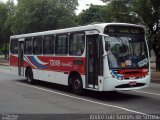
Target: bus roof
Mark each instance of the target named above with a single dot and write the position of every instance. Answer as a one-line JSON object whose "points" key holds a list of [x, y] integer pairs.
{"points": [[100, 27]]}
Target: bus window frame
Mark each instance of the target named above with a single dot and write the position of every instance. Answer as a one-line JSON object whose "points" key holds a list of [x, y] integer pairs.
{"points": [[51, 35], [69, 45], [16, 39], [34, 39], [28, 38], [56, 40]]}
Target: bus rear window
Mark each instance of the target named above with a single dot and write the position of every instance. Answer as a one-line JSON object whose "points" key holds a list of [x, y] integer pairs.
{"points": [[14, 46]]}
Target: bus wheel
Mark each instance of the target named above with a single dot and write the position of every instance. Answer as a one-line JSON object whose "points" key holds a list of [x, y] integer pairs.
{"points": [[77, 85], [29, 76]]}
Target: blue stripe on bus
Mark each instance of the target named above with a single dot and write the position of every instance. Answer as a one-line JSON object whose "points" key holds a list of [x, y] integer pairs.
{"points": [[36, 63], [115, 74]]}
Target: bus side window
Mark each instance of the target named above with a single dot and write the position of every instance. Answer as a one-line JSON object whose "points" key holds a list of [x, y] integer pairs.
{"points": [[37, 45], [14, 46], [76, 44], [48, 45], [61, 44], [28, 46]]}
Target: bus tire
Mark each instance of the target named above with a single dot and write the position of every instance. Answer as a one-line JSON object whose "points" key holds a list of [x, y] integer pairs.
{"points": [[77, 85], [29, 76]]}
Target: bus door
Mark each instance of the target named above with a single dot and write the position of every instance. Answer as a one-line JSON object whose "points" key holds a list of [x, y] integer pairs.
{"points": [[20, 57], [92, 61]]}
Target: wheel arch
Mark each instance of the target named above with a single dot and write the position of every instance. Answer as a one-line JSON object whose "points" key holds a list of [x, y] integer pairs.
{"points": [[71, 75]]}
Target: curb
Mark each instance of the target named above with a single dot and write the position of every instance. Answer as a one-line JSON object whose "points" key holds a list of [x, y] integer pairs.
{"points": [[4, 64], [155, 81]]}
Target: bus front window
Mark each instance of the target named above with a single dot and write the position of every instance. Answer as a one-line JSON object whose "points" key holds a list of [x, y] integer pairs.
{"points": [[126, 52]]}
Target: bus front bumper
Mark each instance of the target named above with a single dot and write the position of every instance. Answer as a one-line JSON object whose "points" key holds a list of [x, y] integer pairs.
{"points": [[112, 84]]}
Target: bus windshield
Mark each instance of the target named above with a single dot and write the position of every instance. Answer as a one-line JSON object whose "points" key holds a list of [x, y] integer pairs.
{"points": [[127, 52]]}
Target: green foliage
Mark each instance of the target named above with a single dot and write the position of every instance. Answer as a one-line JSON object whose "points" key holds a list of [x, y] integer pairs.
{"points": [[36, 15], [41, 15], [114, 11], [69, 4], [4, 28], [3, 48], [91, 15], [118, 11], [3, 13], [3, 17]]}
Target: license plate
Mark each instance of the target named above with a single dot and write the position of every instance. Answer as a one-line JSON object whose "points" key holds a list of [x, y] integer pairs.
{"points": [[132, 83]]}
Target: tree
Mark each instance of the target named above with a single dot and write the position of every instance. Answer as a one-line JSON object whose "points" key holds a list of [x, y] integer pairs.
{"points": [[91, 15], [3, 17], [118, 11], [148, 14], [41, 15], [4, 29], [69, 4], [113, 11]]}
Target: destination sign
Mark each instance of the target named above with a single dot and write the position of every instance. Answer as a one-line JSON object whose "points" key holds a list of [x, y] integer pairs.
{"points": [[124, 29]]}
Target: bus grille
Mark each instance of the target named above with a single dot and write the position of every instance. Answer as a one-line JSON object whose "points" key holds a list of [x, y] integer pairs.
{"points": [[130, 86]]}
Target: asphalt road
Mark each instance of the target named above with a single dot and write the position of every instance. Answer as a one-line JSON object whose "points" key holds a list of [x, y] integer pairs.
{"points": [[18, 97]]}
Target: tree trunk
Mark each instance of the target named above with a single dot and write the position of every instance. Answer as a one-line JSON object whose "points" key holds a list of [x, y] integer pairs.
{"points": [[156, 49], [157, 54], [158, 64]]}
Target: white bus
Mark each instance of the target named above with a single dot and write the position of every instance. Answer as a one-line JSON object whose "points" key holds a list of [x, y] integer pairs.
{"points": [[100, 57]]}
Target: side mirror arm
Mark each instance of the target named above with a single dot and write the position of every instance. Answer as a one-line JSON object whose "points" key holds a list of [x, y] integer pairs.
{"points": [[105, 54]]}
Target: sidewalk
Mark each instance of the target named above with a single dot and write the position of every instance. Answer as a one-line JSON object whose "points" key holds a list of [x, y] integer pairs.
{"points": [[4, 62], [155, 75]]}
